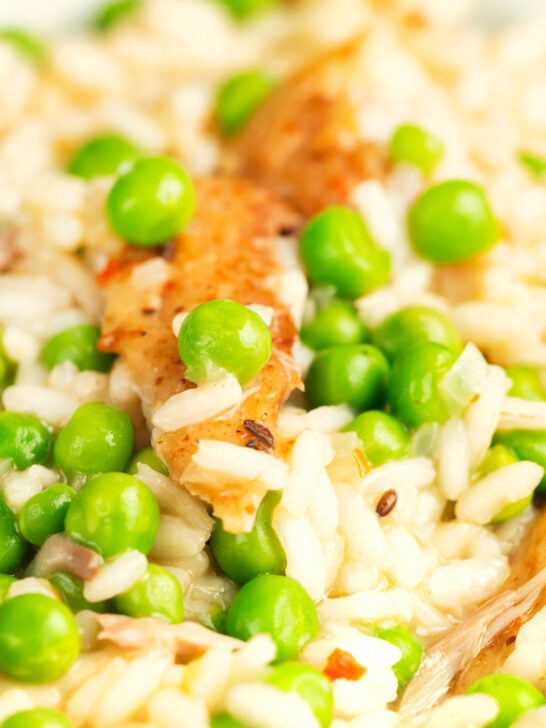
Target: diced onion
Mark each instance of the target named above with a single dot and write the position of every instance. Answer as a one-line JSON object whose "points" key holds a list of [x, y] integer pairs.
{"points": [[465, 380]]}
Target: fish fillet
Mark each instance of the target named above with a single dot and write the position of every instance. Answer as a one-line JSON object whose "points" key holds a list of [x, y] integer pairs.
{"points": [[227, 251], [304, 142]]}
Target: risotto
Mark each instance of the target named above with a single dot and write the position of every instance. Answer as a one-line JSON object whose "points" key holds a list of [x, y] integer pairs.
{"points": [[273, 368]]}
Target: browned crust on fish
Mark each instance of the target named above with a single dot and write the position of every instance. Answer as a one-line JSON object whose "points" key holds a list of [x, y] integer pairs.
{"points": [[304, 142], [528, 560], [227, 251]]}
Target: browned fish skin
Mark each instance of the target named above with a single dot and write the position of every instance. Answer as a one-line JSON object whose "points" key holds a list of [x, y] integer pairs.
{"points": [[227, 251], [528, 560], [482, 642], [304, 141]]}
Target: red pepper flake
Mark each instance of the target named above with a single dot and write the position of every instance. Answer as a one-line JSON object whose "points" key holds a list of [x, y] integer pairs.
{"points": [[112, 267], [343, 664], [361, 463]]}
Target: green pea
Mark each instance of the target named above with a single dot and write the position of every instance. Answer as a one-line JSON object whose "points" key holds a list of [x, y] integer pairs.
{"points": [[220, 337], [37, 718], [239, 98], [497, 457], [97, 438], [452, 222], [217, 619], [310, 684], [147, 457], [102, 156], [29, 45], [13, 547], [224, 720], [23, 439], [332, 326], [416, 325], [151, 202], [6, 371], [356, 375], [157, 594], [39, 638], [527, 445], [246, 8], [71, 591], [115, 12], [414, 392], [44, 513], [383, 436], [113, 512], [242, 556], [525, 383], [78, 345], [337, 250], [7, 366], [418, 147], [408, 644], [5, 582], [534, 163], [274, 605], [513, 695]]}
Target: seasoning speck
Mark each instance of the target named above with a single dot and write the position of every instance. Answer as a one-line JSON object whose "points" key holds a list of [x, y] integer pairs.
{"points": [[261, 433], [386, 503]]}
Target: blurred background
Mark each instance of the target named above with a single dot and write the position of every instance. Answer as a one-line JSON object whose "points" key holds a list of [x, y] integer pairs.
{"points": [[52, 14]]}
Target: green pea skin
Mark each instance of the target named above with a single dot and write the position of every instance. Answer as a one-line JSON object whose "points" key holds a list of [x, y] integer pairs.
{"points": [[527, 445], [497, 457], [274, 605], [513, 695], [452, 222], [525, 383], [44, 513], [334, 325], [102, 156], [534, 164], [37, 718], [408, 644], [7, 366], [71, 591], [416, 325], [24, 439], [113, 512], [414, 145], [147, 457], [337, 249], [243, 9], [220, 337], [356, 375], [30, 46], [310, 684], [39, 638], [97, 438], [224, 720], [157, 594], [383, 437], [239, 98], [151, 202], [413, 393], [78, 345], [13, 547], [114, 13], [242, 556], [5, 582]]}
